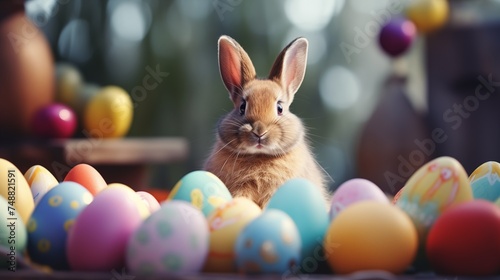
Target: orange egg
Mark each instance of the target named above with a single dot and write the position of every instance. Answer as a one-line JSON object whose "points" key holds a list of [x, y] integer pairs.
{"points": [[371, 235], [86, 176]]}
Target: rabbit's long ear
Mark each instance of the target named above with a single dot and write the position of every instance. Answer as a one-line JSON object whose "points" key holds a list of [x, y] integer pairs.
{"points": [[290, 66], [236, 68]]}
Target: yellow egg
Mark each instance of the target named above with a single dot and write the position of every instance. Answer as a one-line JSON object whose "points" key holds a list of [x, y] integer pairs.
{"points": [[433, 188], [109, 113], [225, 224], [141, 206], [15, 189], [68, 83], [40, 181], [428, 15], [371, 235]]}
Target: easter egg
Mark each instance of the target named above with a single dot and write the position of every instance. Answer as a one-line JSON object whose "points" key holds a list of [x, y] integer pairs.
{"points": [[68, 82], [149, 200], [465, 240], [268, 244], [225, 224], [54, 121], [141, 206], [13, 235], [485, 181], [40, 181], [202, 189], [371, 235], [353, 191], [99, 236], [428, 15], [433, 188], [51, 221], [173, 239], [396, 36], [15, 189], [86, 176], [109, 112], [305, 205]]}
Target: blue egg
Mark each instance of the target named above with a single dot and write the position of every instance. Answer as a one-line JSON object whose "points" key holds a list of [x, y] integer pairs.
{"points": [[202, 189], [485, 181], [268, 244], [304, 203], [52, 218]]}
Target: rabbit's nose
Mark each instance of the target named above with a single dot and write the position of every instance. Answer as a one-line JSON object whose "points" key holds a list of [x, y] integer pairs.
{"points": [[259, 129]]}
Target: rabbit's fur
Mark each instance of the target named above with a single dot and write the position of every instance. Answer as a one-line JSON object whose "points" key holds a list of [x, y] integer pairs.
{"points": [[260, 144]]}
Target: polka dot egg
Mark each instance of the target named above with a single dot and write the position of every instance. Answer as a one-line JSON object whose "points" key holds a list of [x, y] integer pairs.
{"points": [[202, 189], [269, 244], [174, 239], [51, 220]]}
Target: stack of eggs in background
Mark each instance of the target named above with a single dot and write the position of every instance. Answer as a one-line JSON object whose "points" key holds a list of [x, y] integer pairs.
{"points": [[99, 111], [441, 220]]}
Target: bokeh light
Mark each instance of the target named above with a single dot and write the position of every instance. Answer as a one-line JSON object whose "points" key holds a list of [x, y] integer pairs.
{"points": [[339, 88], [312, 15]]}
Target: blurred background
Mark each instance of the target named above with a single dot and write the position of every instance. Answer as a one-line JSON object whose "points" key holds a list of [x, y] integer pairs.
{"points": [[348, 80]]}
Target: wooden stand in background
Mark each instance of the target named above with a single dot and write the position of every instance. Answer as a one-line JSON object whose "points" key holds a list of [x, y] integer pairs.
{"points": [[123, 160]]}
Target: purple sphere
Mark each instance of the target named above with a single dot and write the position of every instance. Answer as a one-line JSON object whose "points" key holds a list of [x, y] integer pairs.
{"points": [[397, 35], [55, 121]]}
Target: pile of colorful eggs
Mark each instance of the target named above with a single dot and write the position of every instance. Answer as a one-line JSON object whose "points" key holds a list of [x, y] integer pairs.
{"points": [[441, 218], [101, 111], [398, 32]]}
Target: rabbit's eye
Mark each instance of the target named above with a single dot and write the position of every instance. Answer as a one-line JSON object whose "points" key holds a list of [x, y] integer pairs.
{"points": [[279, 108], [243, 107]]}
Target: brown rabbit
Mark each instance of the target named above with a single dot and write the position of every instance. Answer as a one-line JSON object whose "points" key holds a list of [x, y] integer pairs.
{"points": [[260, 143]]}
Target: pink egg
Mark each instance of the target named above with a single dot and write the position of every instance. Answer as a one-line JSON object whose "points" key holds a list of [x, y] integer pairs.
{"points": [[353, 191], [151, 203], [55, 121], [98, 239]]}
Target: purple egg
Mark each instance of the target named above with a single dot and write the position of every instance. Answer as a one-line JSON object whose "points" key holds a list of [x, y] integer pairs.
{"points": [[55, 121], [396, 36]]}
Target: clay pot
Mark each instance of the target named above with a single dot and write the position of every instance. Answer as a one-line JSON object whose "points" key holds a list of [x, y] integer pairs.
{"points": [[26, 71]]}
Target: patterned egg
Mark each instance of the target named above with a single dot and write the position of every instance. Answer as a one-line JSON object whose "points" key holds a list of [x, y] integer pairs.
{"points": [[226, 223], [303, 202], [40, 181], [202, 189], [485, 181], [51, 220], [174, 239], [99, 236], [352, 191], [268, 244], [13, 231], [15, 189], [87, 176], [433, 188]]}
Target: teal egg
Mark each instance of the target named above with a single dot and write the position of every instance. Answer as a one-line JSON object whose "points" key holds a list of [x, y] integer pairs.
{"points": [[268, 244], [485, 181], [13, 236], [303, 202], [51, 221], [202, 189]]}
